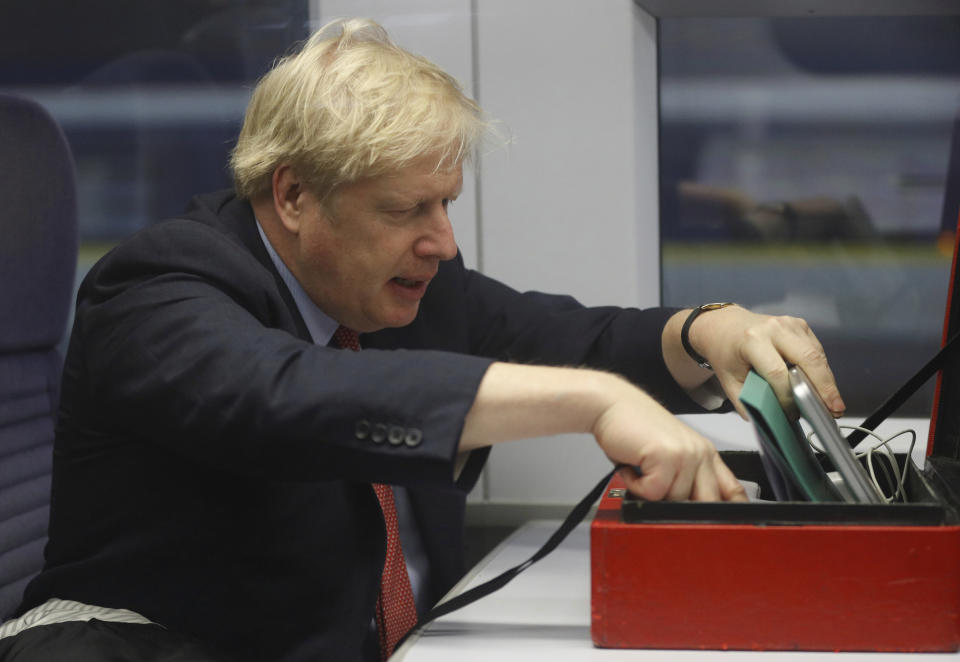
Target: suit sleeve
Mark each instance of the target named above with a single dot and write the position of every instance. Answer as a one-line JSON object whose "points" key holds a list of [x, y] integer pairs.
{"points": [[181, 337], [545, 329]]}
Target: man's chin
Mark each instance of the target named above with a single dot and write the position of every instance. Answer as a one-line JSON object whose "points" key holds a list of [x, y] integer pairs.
{"points": [[401, 318]]}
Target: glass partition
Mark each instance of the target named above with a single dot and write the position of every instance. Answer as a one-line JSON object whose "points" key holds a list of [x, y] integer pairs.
{"points": [[803, 169], [150, 94]]}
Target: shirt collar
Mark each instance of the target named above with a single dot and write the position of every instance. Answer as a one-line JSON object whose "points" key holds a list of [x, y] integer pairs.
{"points": [[320, 325]]}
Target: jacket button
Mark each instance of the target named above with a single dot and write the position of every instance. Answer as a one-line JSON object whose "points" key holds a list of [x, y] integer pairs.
{"points": [[413, 438], [395, 435], [379, 433], [362, 429]]}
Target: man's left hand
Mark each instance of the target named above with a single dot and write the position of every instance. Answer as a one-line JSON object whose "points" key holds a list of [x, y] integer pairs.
{"points": [[734, 340]]}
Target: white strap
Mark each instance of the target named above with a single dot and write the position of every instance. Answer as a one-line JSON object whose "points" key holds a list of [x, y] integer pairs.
{"points": [[63, 611]]}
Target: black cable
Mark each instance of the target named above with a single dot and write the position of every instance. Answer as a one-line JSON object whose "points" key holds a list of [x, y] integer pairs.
{"points": [[900, 396], [576, 516]]}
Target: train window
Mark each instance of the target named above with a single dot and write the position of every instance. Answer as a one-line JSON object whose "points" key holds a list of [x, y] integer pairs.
{"points": [[150, 94], [803, 169]]}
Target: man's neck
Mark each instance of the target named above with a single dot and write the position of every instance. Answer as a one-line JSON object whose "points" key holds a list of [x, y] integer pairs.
{"points": [[320, 325]]}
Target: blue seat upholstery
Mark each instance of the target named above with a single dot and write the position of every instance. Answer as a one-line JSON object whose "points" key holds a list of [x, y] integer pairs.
{"points": [[38, 257]]}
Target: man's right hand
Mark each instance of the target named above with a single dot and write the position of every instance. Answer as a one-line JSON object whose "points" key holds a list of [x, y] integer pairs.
{"points": [[674, 461]]}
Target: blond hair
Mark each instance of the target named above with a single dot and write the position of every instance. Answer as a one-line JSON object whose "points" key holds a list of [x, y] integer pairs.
{"points": [[352, 104]]}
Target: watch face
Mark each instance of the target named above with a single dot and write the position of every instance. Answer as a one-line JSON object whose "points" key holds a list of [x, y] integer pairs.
{"points": [[715, 306]]}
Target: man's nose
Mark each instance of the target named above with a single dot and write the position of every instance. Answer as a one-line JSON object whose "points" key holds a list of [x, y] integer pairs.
{"points": [[438, 241]]}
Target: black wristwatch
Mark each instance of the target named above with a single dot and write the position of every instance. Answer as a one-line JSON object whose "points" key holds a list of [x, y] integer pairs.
{"points": [[685, 331]]}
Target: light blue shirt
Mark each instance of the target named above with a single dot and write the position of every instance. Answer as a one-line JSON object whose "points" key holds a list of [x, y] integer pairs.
{"points": [[322, 327]]}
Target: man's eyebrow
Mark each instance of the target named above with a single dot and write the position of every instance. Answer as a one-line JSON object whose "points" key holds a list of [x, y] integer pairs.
{"points": [[398, 200]]}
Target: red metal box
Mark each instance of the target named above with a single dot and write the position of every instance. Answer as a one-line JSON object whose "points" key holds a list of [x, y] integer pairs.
{"points": [[844, 577], [790, 576]]}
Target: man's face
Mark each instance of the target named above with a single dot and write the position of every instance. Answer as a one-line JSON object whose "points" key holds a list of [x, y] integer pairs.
{"points": [[367, 256]]}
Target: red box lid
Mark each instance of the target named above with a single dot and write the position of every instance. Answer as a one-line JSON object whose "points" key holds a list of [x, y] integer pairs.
{"points": [[944, 438]]}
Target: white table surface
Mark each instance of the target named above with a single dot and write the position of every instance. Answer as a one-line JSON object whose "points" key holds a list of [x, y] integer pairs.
{"points": [[544, 614]]}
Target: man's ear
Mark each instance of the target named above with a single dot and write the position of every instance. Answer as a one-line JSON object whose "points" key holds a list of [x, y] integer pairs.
{"points": [[288, 199]]}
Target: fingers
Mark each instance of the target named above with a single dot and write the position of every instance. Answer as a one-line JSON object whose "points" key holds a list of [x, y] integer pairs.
{"points": [[767, 346], [674, 460], [777, 341], [708, 479], [730, 487], [818, 371], [713, 482], [732, 384], [706, 487]]}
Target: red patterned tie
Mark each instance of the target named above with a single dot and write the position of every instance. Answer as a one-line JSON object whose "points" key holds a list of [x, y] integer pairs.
{"points": [[396, 612]]}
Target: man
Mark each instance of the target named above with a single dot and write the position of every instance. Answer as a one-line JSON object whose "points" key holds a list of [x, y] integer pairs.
{"points": [[215, 455]]}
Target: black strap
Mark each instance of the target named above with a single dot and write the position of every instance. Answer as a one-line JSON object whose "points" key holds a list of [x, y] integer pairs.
{"points": [[909, 388], [463, 599]]}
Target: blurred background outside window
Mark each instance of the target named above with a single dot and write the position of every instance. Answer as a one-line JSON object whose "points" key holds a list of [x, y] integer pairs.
{"points": [[150, 95], [803, 169]]}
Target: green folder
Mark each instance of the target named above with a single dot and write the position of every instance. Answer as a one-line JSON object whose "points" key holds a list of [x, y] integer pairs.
{"points": [[785, 442]]}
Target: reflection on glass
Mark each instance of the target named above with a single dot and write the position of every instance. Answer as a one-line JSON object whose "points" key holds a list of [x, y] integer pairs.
{"points": [[150, 95], [803, 170]]}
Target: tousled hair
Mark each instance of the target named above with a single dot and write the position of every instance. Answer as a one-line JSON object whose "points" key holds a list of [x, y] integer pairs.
{"points": [[351, 104]]}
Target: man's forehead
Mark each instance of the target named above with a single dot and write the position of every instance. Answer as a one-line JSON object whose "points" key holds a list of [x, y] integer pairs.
{"points": [[420, 180], [406, 186]]}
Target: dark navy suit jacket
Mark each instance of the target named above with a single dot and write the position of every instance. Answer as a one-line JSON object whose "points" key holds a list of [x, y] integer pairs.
{"points": [[212, 466]]}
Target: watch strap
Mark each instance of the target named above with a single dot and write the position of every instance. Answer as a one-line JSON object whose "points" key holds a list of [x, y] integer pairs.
{"points": [[685, 331]]}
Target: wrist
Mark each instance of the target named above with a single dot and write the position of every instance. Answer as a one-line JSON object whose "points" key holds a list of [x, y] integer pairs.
{"points": [[615, 394], [685, 341], [581, 396]]}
